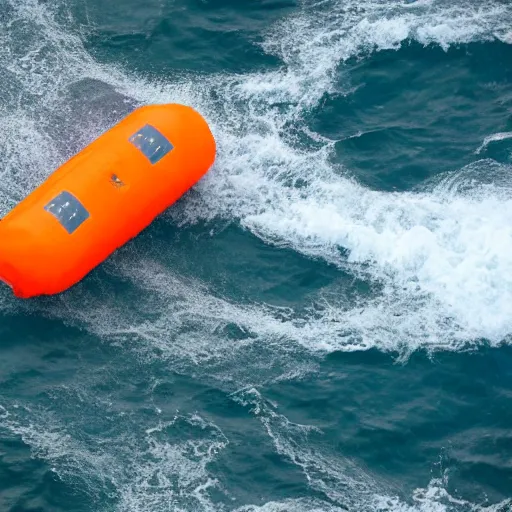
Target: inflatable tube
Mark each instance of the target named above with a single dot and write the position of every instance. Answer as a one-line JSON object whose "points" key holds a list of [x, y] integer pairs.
{"points": [[102, 197]]}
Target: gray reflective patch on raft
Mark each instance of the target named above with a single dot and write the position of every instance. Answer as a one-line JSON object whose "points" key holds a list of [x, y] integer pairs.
{"points": [[68, 210], [152, 143]]}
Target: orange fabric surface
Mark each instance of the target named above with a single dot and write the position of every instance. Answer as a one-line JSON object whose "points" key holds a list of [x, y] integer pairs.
{"points": [[121, 192]]}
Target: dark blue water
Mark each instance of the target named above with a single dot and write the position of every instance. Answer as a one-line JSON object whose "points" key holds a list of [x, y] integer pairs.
{"points": [[324, 323]]}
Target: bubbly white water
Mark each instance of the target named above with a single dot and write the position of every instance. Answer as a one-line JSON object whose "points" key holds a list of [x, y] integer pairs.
{"points": [[493, 138], [443, 260], [149, 470], [442, 257]]}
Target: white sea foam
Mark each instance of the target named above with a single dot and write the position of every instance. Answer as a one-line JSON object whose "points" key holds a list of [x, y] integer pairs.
{"points": [[495, 137], [155, 469], [440, 259], [156, 472], [291, 505], [344, 484], [173, 476]]}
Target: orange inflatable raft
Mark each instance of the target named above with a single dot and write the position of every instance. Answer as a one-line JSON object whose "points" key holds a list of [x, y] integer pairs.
{"points": [[102, 197]]}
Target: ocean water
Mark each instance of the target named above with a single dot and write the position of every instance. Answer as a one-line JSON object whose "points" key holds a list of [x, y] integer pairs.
{"points": [[324, 323]]}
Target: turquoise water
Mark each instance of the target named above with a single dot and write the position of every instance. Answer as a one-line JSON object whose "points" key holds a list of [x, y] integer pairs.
{"points": [[324, 323]]}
